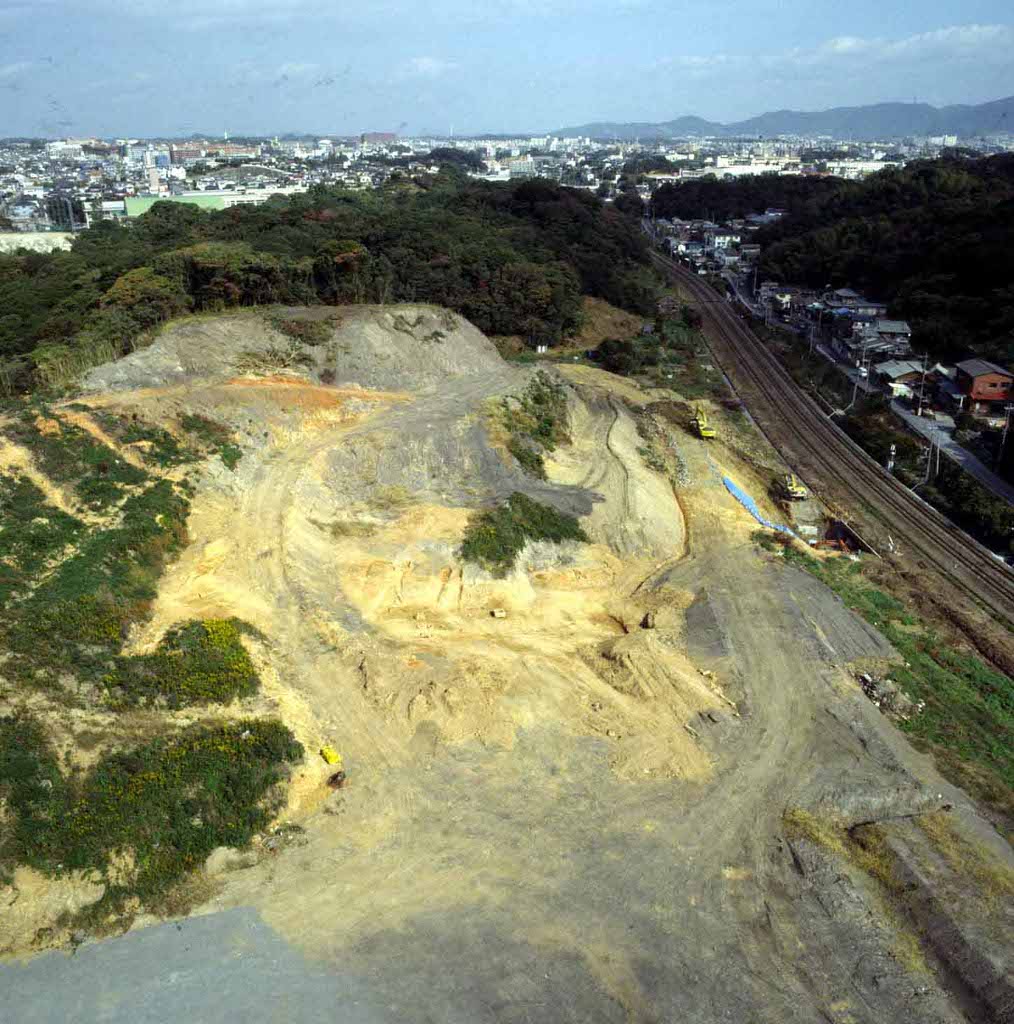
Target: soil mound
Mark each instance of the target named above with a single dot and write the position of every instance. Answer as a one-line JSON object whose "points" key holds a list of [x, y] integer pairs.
{"points": [[384, 347]]}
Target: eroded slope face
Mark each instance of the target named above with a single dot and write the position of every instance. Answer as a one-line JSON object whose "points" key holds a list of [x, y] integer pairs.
{"points": [[338, 536], [566, 781]]}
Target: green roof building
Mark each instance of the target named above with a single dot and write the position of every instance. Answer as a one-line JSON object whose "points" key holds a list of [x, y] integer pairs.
{"points": [[136, 205]]}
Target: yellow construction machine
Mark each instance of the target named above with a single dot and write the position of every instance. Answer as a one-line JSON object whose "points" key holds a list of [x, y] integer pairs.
{"points": [[701, 425], [792, 489]]}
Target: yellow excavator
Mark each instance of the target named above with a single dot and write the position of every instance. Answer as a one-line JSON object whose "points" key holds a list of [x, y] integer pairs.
{"points": [[792, 489], [701, 425]]}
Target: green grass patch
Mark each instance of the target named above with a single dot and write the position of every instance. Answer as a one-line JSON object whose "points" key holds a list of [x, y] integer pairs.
{"points": [[157, 447], [309, 332], [530, 459], [215, 437], [765, 539], [71, 626], [196, 663], [968, 720], [71, 456], [142, 818], [536, 422], [678, 358], [75, 619], [496, 537], [32, 533]]}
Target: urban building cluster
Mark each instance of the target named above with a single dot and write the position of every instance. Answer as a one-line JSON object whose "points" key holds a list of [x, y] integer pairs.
{"points": [[845, 327], [67, 184]]}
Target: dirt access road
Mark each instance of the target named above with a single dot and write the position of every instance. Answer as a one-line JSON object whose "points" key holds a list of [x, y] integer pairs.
{"points": [[553, 817]]}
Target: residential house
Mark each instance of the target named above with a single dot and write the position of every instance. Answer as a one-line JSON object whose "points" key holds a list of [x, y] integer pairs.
{"points": [[862, 310], [902, 377], [897, 332], [845, 297], [715, 240], [982, 388]]}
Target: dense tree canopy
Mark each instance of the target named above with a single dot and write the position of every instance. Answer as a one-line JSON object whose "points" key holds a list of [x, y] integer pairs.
{"points": [[721, 199], [514, 259], [934, 240]]}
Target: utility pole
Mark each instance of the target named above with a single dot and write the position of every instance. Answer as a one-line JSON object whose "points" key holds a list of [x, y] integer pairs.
{"points": [[934, 443], [1003, 437], [922, 385], [855, 388]]}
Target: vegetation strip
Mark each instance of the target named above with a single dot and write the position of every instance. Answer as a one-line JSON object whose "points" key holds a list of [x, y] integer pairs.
{"points": [[139, 819], [32, 533], [513, 259], [968, 719], [496, 537], [69, 455], [536, 422]]}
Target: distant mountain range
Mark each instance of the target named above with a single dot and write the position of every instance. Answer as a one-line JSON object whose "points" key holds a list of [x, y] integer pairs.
{"points": [[878, 121]]}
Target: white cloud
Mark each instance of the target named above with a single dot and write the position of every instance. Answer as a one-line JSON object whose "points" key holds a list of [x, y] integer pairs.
{"points": [[10, 70], [957, 42], [296, 69], [989, 44], [428, 67]]}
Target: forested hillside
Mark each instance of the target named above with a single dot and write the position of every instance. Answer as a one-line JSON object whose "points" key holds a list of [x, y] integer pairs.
{"points": [[935, 240], [514, 259], [722, 199]]}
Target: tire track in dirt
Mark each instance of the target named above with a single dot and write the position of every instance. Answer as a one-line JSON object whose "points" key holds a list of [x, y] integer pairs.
{"points": [[321, 677], [617, 458]]}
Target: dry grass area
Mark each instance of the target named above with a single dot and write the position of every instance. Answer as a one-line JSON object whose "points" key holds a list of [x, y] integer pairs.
{"points": [[601, 321], [865, 848], [970, 860]]}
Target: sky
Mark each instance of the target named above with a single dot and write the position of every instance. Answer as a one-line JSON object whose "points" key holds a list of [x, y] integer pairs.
{"points": [[118, 68]]}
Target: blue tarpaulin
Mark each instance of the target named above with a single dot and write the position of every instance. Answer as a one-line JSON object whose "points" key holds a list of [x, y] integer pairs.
{"points": [[751, 506]]}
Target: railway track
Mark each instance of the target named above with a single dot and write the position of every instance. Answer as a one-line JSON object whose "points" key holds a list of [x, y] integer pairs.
{"points": [[786, 413]]}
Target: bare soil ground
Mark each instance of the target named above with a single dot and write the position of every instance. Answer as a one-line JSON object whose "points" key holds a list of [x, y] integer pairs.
{"points": [[575, 812]]}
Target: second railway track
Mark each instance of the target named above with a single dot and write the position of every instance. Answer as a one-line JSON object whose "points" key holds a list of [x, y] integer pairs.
{"points": [[789, 414]]}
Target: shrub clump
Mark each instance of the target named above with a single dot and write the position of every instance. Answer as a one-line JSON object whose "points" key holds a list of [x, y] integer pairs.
{"points": [[536, 422], [157, 446], [494, 538], [197, 663], [31, 533], [215, 437], [309, 332], [69, 455], [163, 806], [75, 619]]}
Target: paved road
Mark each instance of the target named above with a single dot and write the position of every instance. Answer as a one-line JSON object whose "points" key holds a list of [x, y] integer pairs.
{"points": [[209, 970], [964, 458]]}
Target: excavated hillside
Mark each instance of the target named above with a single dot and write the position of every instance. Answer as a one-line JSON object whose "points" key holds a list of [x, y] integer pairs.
{"points": [[630, 778]]}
